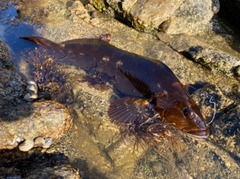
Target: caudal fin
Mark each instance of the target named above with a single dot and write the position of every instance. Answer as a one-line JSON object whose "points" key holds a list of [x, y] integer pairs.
{"points": [[43, 42]]}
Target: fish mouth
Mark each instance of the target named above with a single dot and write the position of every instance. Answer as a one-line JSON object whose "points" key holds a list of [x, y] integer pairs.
{"points": [[199, 133]]}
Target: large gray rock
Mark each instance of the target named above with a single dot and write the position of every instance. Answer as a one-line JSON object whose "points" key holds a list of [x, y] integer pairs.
{"points": [[173, 17], [193, 17], [226, 62], [150, 14]]}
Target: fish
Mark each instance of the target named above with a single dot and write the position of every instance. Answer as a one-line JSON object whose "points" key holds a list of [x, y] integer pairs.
{"points": [[151, 98]]}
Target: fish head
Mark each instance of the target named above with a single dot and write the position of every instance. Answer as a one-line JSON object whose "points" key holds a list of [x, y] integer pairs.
{"points": [[195, 123], [184, 115]]}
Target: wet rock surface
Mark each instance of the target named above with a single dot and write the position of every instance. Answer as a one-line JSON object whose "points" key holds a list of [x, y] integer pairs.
{"points": [[98, 148]]}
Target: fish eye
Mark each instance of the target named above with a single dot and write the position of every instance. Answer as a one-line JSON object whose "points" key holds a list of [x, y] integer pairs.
{"points": [[188, 113]]}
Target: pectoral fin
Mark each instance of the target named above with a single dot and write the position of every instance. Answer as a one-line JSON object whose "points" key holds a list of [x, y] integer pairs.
{"points": [[131, 111]]}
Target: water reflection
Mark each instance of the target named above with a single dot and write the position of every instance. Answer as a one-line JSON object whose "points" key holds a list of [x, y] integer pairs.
{"points": [[11, 28]]}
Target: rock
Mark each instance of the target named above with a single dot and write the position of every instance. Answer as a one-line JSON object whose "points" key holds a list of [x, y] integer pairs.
{"points": [[47, 143], [171, 16], [227, 131], [5, 60], [149, 15], [11, 84], [39, 142], [47, 119], [20, 121], [26, 145], [11, 87], [64, 171], [8, 141], [32, 90], [209, 56], [193, 17], [17, 164], [78, 11], [43, 11], [30, 97], [32, 87]]}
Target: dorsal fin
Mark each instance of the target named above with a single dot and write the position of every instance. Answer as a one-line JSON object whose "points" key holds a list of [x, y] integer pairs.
{"points": [[140, 85], [87, 41]]}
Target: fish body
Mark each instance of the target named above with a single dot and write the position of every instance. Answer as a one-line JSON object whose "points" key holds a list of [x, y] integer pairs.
{"points": [[150, 92]]}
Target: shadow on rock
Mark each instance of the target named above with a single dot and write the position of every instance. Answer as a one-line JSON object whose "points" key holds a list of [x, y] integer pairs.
{"points": [[10, 112], [35, 164]]}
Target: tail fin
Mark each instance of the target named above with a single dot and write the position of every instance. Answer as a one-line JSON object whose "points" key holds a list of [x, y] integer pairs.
{"points": [[43, 42]]}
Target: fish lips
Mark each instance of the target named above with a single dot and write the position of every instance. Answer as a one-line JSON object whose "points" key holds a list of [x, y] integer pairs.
{"points": [[198, 133]]}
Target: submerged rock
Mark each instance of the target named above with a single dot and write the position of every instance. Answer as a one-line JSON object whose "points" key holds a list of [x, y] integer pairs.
{"points": [[29, 121], [32, 90], [17, 164]]}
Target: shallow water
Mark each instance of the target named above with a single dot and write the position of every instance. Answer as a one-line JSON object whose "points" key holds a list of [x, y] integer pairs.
{"points": [[12, 29], [94, 144]]}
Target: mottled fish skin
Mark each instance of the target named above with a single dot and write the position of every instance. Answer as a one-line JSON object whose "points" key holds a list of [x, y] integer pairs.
{"points": [[147, 88]]}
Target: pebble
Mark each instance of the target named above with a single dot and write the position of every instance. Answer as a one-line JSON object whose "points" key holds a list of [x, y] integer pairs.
{"points": [[32, 90], [30, 97], [26, 145], [48, 143], [39, 141]]}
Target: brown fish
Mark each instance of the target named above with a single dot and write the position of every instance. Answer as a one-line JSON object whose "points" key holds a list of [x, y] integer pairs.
{"points": [[151, 94]]}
